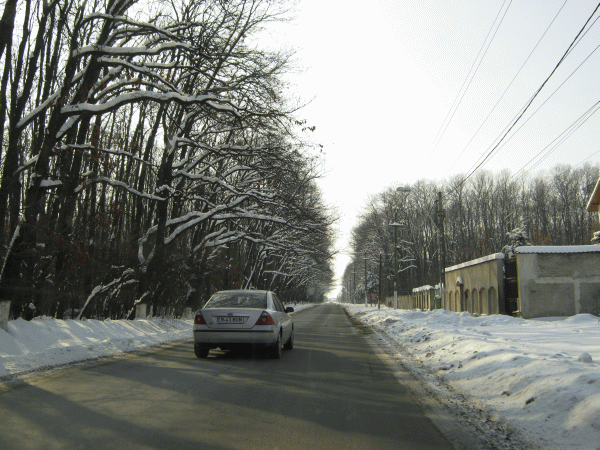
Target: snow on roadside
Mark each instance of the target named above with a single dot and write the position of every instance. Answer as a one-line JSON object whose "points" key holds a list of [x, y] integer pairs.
{"points": [[542, 376], [46, 342]]}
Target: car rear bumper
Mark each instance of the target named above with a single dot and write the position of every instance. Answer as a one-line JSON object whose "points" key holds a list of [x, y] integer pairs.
{"points": [[215, 337]]}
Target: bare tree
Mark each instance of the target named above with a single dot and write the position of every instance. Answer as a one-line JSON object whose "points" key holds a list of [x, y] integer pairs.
{"points": [[480, 214], [156, 153]]}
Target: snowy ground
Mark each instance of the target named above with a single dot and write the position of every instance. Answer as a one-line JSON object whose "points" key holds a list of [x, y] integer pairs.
{"points": [[45, 342], [541, 376]]}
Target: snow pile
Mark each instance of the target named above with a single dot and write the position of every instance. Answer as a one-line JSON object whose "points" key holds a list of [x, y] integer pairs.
{"points": [[45, 342], [540, 375]]}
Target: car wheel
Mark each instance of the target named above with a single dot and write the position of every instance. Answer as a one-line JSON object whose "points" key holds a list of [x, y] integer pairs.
{"points": [[201, 351], [289, 345], [276, 350]]}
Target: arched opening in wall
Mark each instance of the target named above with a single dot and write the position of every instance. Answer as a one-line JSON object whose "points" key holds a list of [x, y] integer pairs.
{"points": [[475, 300], [493, 301], [483, 300], [465, 306]]}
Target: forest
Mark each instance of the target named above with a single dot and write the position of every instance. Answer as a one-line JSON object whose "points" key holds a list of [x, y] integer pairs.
{"points": [[151, 152], [479, 213]]}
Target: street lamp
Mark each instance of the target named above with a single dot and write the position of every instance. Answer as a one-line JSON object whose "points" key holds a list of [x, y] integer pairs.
{"points": [[379, 293], [365, 258], [405, 190], [353, 283], [441, 244]]}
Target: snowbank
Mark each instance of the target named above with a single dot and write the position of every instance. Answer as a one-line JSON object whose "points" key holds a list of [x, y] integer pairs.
{"points": [[45, 342], [540, 375]]}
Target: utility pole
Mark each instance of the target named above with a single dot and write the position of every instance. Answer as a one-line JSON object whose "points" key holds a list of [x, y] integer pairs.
{"points": [[379, 294], [349, 290], [441, 243], [353, 283], [404, 190], [366, 300], [395, 225]]}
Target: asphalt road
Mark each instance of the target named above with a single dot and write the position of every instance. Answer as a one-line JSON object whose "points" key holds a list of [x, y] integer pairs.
{"points": [[331, 391]]}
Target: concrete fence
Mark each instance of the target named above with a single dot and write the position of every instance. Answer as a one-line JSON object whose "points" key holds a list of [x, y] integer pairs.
{"points": [[552, 281], [476, 286], [558, 281]]}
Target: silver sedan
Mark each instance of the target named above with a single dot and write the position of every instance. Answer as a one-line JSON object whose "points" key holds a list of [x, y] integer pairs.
{"points": [[243, 317]]}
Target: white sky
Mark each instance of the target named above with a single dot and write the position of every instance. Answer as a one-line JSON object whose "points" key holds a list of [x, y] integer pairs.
{"points": [[384, 76]]}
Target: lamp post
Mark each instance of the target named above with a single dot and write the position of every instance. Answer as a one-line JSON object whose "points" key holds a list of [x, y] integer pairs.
{"points": [[379, 293], [395, 225], [441, 244], [349, 286], [366, 300], [405, 190], [353, 283]]}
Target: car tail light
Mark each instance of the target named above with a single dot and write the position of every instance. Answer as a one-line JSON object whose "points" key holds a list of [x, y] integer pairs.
{"points": [[265, 319], [199, 320]]}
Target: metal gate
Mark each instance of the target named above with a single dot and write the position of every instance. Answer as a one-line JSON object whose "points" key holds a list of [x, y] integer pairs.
{"points": [[511, 286]]}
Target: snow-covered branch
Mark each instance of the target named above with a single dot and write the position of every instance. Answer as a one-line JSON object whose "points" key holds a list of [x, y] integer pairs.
{"points": [[89, 147], [125, 186], [129, 51], [139, 96]]}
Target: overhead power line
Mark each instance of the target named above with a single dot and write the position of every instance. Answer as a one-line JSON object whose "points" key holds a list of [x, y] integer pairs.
{"points": [[548, 99], [469, 78], [546, 151], [589, 157], [505, 90], [528, 104]]}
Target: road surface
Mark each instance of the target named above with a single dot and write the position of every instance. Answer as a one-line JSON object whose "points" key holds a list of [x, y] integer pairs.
{"points": [[332, 391]]}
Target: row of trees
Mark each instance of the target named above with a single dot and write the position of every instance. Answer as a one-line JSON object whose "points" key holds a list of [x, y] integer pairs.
{"points": [[150, 153], [479, 213]]}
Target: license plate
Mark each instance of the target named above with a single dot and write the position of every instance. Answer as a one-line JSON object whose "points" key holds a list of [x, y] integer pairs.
{"points": [[227, 319]]}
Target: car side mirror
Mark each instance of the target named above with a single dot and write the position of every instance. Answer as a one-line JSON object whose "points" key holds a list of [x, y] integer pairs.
{"points": [[289, 309]]}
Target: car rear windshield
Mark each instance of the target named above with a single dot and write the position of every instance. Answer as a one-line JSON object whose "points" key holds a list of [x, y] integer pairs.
{"points": [[238, 300]]}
